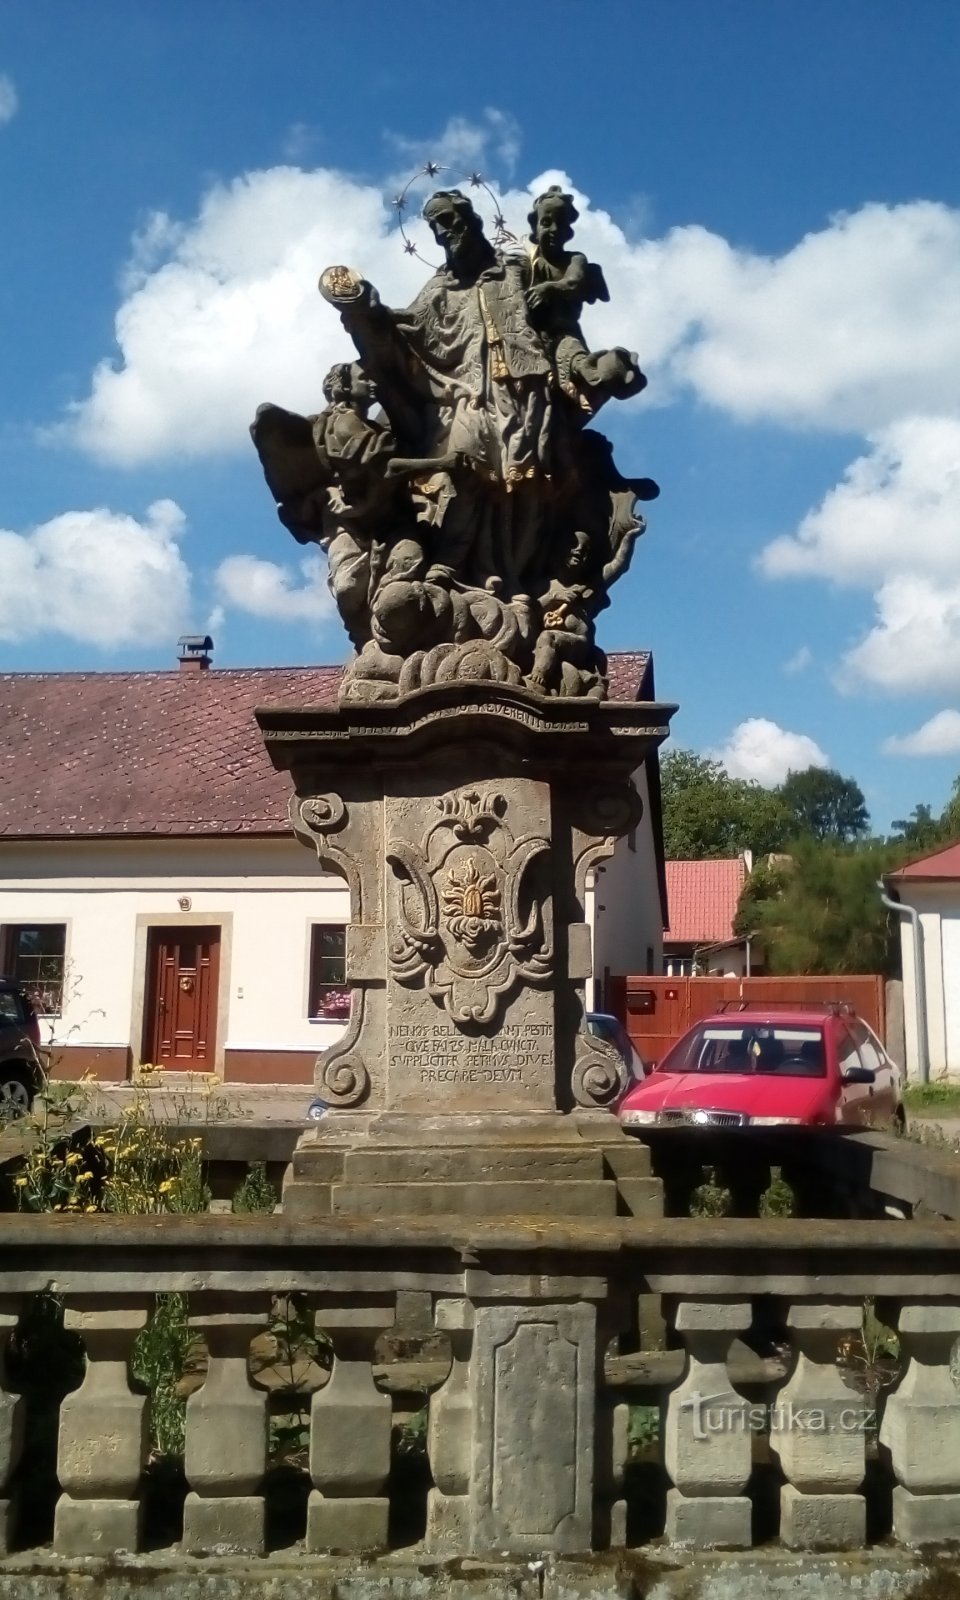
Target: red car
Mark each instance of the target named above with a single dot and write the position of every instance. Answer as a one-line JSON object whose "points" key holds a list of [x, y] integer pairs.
{"points": [[771, 1066]]}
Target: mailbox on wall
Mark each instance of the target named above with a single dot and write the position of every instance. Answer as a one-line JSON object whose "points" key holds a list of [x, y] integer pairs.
{"points": [[642, 1002]]}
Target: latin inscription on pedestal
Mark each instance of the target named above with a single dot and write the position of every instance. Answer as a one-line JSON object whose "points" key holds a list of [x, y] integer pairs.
{"points": [[439, 1054]]}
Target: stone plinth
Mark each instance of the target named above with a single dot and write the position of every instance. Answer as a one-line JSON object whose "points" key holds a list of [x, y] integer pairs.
{"points": [[466, 819]]}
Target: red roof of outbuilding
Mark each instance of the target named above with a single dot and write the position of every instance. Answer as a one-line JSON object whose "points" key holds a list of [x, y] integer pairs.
{"points": [[87, 753], [943, 864], [702, 898]]}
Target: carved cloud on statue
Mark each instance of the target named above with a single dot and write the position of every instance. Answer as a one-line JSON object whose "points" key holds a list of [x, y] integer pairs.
{"points": [[473, 524]]}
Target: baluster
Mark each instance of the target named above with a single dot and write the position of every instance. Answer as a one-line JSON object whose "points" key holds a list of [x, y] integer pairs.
{"points": [[448, 1437], [103, 1436], [350, 1425], [226, 1447], [707, 1432], [817, 1429], [921, 1427], [616, 1317], [11, 1421]]}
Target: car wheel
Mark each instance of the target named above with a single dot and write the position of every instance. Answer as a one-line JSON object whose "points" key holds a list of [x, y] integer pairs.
{"points": [[16, 1093]]}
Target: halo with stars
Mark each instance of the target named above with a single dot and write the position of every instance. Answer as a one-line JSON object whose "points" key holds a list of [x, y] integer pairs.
{"points": [[475, 180]]}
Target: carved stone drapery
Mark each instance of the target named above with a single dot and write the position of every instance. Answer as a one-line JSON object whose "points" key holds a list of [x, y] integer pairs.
{"points": [[470, 923]]}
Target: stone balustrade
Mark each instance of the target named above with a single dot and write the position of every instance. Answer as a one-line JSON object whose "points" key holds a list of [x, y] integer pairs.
{"points": [[545, 1436]]}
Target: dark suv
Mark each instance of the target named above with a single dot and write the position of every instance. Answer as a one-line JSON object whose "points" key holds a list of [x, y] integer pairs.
{"points": [[21, 1067]]}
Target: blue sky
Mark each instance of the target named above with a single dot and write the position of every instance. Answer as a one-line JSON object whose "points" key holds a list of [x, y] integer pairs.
{"points": [[773, 191]]}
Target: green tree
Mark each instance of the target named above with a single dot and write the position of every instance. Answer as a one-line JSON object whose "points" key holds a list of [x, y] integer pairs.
{"points": [[920, 831], [707, 814], [825, 805], [819, 910]]}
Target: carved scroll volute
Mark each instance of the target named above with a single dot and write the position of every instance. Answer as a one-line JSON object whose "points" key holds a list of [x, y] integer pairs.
{"points": [[345, 838], [599, 1074], [600, 815]]}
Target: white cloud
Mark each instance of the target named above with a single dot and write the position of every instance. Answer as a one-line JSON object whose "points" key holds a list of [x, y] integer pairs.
{"points": [[939, 736], [761, 750], [897, 510], [799, 661], [224, 313], [852, 328], [891, 526], [99, 577], [463, 147], [266, 589], [9, 100]]}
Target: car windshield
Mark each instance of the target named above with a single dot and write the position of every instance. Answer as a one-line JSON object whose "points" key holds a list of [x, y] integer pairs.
{"points": [[790, 1052]]}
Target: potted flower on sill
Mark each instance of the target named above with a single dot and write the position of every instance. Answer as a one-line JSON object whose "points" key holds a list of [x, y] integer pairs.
{"points": [[334, 1006]]}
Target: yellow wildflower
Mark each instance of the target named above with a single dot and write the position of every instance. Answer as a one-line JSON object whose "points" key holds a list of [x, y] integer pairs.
{"points": [[21, 1183], [166, 1186], [72, 1158]]}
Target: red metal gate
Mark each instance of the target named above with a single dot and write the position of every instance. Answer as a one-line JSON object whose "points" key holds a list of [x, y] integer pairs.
{"points": [[657, 1011]]}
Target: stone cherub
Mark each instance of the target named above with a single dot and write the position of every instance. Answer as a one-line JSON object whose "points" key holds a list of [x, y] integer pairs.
{"points": [[330, 476], [562, 282]]}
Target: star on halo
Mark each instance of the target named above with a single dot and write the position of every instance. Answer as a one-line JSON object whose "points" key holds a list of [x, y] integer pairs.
{"points": [[431, 169]]}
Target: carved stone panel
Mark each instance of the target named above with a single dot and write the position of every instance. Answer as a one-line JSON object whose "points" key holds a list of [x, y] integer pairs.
{"points": [[470, 951], [532, 1477]]}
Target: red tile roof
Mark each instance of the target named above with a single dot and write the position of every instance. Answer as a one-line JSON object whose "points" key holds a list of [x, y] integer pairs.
{"points": [[944, 864], [702, 898], [85, 753]]}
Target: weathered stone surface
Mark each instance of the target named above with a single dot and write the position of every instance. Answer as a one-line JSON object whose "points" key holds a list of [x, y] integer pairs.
{"points": [[226, 1431], [531, 1481], [462, 1164], [100, 1482], [12, 1417], [641, 1197], [817, 1429], [226, 1523], [95, 1527], [350, 1423], [706, 1435], [822, 1521], [721, 1522], [358, 1524], [449, 1442], [921, 1417], [920, 1519], [533, 1199]]}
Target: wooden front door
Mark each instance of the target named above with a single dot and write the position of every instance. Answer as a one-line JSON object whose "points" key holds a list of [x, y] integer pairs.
{"points": [[180, 1021]]}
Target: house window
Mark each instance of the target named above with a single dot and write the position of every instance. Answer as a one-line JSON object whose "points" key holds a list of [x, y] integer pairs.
{"points": [[678, 966], [329, 995], [33, 954]]}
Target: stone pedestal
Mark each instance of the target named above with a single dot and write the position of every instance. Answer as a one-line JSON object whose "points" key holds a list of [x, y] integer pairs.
{"points": [[466, 819]]}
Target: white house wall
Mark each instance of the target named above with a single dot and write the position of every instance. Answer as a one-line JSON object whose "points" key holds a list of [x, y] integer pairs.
{"points": [[264, 894], [623, 906], [938, 905]]}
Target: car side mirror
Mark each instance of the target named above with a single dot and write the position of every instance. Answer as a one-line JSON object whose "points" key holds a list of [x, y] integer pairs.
{"points": [[859, 1075]]}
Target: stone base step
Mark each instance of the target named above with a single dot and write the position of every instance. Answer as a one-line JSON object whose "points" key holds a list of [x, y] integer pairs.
{"points": [[374, 1163], [504, 1199]]}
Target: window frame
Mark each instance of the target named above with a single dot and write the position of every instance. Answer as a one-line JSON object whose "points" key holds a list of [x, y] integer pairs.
{"points": [[11, 932], [320, 986]]}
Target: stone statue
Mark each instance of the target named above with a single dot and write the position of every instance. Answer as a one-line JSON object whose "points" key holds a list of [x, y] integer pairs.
{"points": [[472, 526]]}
